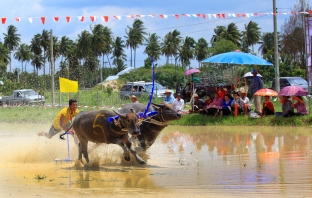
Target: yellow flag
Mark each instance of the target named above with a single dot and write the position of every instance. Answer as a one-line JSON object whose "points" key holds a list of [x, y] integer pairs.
{"points": [[68, 85]]}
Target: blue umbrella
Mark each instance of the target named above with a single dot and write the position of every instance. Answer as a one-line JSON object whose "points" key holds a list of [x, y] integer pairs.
{"points": [[237, 58]]}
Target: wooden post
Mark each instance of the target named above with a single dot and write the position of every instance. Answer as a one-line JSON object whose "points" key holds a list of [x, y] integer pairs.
{"points": [[52, 67]]}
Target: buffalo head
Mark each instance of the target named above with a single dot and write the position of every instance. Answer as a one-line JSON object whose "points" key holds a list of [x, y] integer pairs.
{"points": [[166, 112], [130, 121]]}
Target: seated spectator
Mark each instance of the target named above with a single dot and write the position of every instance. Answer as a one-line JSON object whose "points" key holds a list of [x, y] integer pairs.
{"points": [[168, 97], [287, 108], [197, 106], [229, 93], [267, 107], [226, 106], [246, 102], [222, 91], [215, 106], [237, 104], [134, 99], [300, 105], [178, 103], [206, 104]]}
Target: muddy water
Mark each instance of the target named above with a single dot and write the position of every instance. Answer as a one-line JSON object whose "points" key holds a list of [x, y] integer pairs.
{"points": [[183, 162]]}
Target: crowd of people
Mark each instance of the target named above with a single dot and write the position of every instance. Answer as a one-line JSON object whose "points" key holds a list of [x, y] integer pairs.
{"points": [[226, 102]]}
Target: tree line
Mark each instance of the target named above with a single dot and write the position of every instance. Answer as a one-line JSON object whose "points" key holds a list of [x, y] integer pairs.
{"points": [[83, 59]]}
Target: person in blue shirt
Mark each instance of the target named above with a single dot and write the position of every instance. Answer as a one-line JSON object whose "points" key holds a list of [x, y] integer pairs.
{"points": [[255, 86], [226, 106], [169, 97]]}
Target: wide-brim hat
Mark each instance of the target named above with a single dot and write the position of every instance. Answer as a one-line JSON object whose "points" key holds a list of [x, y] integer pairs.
{"points": [[242, 91], [133, 96], [168, 91]]}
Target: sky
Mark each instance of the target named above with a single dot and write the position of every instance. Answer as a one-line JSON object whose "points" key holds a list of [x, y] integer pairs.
{"points": [[196, 27]]}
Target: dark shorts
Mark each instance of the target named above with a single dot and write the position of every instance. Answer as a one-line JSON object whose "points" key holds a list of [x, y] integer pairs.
{"points": [[53, 131]]}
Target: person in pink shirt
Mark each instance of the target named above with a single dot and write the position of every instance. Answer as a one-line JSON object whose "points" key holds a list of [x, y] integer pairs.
{"points": [[215, 105], [299, 105]]}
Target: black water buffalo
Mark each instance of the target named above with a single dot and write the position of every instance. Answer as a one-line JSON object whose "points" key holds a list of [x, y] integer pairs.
{"points": [[94, 126], [151, 127]]}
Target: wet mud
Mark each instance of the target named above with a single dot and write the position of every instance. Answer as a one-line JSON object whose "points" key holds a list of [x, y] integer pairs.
{"points": [[183, 162]]}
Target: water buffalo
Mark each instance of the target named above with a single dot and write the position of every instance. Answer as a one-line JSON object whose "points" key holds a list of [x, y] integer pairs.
{"points": [[94, 126], [151, 127]]}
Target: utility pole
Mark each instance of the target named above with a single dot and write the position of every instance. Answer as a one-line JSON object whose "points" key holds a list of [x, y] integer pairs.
{"points": [[277, 81], [52, 66]]}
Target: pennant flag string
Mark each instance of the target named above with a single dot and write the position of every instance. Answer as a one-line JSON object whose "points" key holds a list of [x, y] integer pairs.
{"points": [[105, 18]]}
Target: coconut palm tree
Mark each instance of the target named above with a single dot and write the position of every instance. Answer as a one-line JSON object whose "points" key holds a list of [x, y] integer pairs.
{"points": [[120, 65], [4, 54], [201, 50], [118, 50], [37, 62], [135, 37], [45, 43], [11, 41], [187, 51], [84, 44], [108, 40], [65, 46], [23, 54], [130, 41], [252, 34], [152, 48], [267, 43], [218, 32], [232, 34], [167, 48], [56, 51]]}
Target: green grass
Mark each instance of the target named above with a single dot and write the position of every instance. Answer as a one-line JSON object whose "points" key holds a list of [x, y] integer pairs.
{"points": [[201, 120]]}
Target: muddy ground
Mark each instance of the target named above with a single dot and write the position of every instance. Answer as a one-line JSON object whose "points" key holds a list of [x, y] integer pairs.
{"points": [[183, 162]]}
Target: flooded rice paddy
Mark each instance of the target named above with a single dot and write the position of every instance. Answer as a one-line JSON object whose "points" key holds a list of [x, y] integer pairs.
{"points": [[183, 162]]}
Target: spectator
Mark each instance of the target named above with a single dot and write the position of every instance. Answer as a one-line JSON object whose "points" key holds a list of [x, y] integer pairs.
{"points": [[229, 93], [267, 107], [178, 103], [189, 90], [168, 97], [287, 108], [134, 99], [249, 90], [215, 106], [206, 104], [299, 105], [198, 105], [222, 91], [255, 86], [245, 100], [237, 104], [226, 106]]}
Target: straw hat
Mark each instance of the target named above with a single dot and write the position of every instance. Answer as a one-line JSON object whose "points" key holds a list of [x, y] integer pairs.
{"points": [[133, 96], [167, 91], [242, 91]]}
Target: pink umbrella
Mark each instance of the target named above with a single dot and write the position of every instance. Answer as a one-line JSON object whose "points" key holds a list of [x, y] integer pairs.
{"points": [[293, 91], [191, 71]]}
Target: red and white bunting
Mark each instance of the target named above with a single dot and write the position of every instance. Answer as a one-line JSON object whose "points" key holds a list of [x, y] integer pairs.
{"points": [[93, 18], [42, 20], [3, 20], [105, 18], [117, 17], [81, 18], [162, 16]]}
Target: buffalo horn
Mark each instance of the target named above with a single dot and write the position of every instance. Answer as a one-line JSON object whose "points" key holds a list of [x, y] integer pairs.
{"points": [[120, 115]]}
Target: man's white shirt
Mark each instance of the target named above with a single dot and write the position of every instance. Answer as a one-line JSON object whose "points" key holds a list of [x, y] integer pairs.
{"points": [[178, 105]]}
